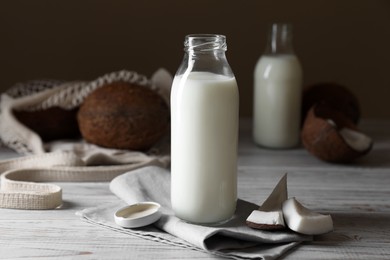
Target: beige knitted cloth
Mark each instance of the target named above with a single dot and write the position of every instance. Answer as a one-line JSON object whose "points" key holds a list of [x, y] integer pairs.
{"points": [[64, 161]]}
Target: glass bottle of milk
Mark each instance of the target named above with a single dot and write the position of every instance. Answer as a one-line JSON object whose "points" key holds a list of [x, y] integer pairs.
{"points": [[204, 133], [277, 92]]}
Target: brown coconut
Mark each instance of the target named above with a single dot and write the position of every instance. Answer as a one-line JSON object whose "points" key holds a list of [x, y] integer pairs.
{"points": [[123, 116], [52, 123], [332, 136]]}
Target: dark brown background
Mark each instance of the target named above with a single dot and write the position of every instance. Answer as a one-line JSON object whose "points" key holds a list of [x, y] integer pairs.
{"points": [[343, 41]]}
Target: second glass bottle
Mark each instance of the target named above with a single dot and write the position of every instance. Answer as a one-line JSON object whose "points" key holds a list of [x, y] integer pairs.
{"points": [[277, 92]]}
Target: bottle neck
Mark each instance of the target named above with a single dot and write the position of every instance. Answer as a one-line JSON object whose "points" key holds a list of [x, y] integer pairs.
{"points": [[205, 49], [279, 39], [206, 56], [205, 53], [205, 43], [213, 61]]}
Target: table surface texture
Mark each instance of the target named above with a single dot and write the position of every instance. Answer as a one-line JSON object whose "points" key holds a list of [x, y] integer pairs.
{"points": [[356, 195]]}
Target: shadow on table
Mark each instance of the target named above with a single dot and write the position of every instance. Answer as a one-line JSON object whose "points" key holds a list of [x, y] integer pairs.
{"points": [[355, 225], [377, 157], [66, 205]]}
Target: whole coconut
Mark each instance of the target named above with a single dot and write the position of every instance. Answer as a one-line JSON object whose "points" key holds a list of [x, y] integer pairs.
{"points": [[123, 116]]}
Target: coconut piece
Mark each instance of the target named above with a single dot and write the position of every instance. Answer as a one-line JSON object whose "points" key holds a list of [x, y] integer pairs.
{"points": [[266, 220], [331, 136], [302, 220], [269, 216], [277, 197]]}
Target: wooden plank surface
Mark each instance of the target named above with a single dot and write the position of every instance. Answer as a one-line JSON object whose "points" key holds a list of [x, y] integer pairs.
{"points": [[357, 196]]}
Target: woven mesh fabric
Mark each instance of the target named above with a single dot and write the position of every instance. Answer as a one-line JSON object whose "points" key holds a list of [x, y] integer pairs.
{"points": [[69, 95], [43, 94], [31, 87]]}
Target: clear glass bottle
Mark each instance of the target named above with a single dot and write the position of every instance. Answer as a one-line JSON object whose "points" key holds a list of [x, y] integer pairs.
{"points": [[204, 133], [277, 92]]}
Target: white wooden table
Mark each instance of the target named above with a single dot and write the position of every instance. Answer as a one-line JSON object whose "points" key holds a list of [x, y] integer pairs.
{"points": [[357, 196]]}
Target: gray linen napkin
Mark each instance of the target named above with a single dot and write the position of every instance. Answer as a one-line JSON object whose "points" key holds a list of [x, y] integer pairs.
{"points": [[233, 239]]}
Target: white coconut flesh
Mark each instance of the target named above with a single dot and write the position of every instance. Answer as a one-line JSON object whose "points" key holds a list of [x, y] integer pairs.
{"points": [[305, 221], [278, 211], [266, 218], [354, 139], [270, 213]]}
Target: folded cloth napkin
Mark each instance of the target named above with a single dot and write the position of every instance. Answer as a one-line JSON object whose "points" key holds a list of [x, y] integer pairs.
{"points": [[233, 239]]}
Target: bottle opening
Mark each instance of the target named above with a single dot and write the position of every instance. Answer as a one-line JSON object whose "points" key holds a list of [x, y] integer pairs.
{"points": [[205, 42]]}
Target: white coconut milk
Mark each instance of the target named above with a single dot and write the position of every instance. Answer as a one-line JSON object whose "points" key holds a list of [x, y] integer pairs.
{"points": [[204, 114], [277, 101]]}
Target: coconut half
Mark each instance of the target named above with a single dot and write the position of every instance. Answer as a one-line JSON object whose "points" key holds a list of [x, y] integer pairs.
{"points": [[331, 136]]}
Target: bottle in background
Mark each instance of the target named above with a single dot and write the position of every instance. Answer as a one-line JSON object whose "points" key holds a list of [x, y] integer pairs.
{"points": [[277, 92]]}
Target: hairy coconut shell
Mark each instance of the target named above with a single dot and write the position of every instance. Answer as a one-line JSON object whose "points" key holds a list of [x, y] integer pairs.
{"points": [[321, 137], [123, 116]]}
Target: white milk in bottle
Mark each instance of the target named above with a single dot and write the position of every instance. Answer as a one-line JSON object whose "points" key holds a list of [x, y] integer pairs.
{"points": [[277, 92], [204, 129]]}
